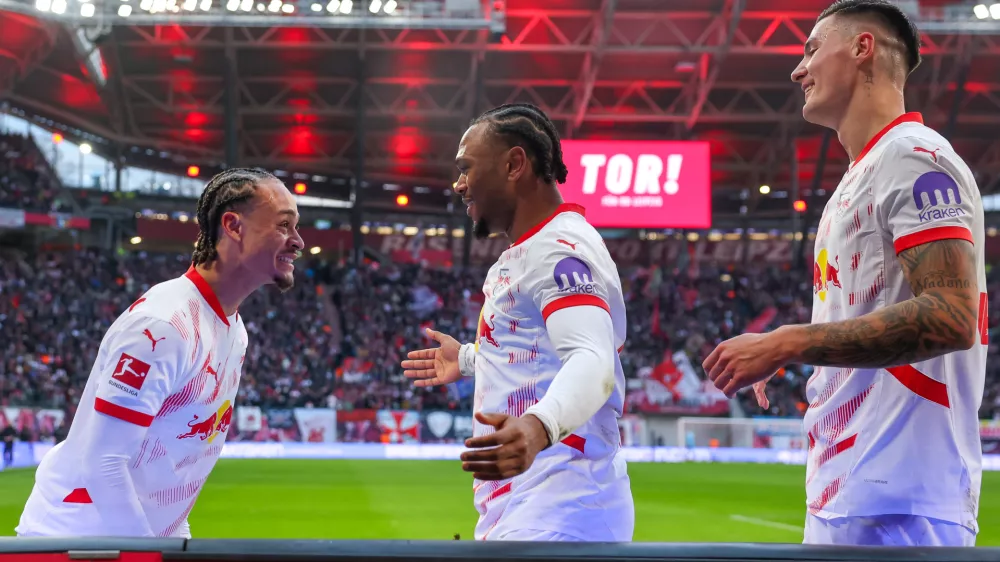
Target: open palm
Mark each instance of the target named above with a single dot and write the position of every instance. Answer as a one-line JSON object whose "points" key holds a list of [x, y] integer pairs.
{"points": [[435, 366]]}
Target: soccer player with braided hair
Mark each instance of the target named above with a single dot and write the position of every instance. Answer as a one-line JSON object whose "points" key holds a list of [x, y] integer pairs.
{"points": [[158, 404], [545, 454]]}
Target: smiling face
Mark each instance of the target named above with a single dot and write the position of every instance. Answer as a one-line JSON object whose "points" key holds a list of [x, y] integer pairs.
{"points": [[266, 234], [485, 184], [829, 72]]}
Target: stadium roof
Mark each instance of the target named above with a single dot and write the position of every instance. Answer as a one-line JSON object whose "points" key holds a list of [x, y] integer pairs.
{"points": [[603, 69]]}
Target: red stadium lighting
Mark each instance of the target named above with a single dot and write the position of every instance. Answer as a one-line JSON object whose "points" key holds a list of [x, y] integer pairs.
{"points": [[57, 138], [402, 200], [193, 171], [799, 206], [300, 188]]}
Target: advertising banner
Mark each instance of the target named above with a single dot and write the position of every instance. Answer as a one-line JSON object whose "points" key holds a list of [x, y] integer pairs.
{"points": [[358, 426], [640, 184], [248, 418], [11, 218], [317, 425], [445, 427]]}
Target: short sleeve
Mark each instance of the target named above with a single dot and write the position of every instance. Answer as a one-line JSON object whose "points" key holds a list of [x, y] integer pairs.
{"points": [[923, 194], [564, 275], [139, 369]]}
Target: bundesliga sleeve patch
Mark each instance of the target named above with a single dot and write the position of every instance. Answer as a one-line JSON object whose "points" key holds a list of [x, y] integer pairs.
{"points": [[572, 275], [129, 375]]}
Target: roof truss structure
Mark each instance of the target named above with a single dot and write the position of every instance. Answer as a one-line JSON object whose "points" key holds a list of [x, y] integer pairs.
{"points": [[717, 70]]}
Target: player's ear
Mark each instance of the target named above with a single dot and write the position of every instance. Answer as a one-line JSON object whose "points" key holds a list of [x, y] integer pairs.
{"points": [[517, 161], [231, 225], [864, 47]]}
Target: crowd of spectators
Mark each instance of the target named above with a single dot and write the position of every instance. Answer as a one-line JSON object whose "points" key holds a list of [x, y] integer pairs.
{"points": [[338, 337], [25, 178]]}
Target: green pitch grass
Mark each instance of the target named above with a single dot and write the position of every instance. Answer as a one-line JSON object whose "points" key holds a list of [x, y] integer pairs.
{"points": [[433, 500]]}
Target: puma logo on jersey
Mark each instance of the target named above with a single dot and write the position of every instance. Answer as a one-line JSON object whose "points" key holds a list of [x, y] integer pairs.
{"points": [[149, 335], [571, 245], [933, 153]]}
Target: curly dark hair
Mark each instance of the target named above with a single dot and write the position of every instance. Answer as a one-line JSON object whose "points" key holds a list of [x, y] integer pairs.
{"points": [[224, 192], [525, 125]]}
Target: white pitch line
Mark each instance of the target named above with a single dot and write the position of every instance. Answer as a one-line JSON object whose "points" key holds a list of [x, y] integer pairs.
{"points": [[766, 523]]}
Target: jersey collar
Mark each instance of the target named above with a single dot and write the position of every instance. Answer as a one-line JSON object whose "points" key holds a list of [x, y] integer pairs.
{"points": [[207, 293], [912, 117], [564, 208]]}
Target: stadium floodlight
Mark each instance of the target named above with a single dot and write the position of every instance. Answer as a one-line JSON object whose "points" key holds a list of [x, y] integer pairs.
{"points": [[87, 10], [317, 7], [206, 5], [125, 10], [345, 6], [246, 5], [288, 8], [43, 5], [146, 5], [58, 6], [233, 5], [981, 11], [261, 7], [86, 148], [190, 5], [333, 6], [995, 11], [390, 6], [274, 6], [159, 6], [375, 6]]}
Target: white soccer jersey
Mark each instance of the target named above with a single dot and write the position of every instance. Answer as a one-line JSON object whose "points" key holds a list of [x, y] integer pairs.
{"points": [[580, 486], [903, 440], [170, 363]]}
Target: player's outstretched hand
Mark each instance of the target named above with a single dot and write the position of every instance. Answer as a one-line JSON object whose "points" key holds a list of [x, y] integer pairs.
{"points": [[744, 361], [434, 366], [512, 448]]}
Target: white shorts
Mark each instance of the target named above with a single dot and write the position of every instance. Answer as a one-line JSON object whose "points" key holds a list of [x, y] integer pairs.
{"points": [[887, 530], [536, 536]]}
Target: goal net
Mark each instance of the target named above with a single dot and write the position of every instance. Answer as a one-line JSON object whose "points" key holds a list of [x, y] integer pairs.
{"points": [[750, 433]]}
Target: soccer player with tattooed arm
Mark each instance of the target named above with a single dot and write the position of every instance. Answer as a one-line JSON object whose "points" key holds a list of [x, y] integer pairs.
{"points": [[898, 334], [545, 454]]}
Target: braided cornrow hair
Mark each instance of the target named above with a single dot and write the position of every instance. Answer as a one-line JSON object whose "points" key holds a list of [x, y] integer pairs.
{"points": [[525, 125], [223, 192]]}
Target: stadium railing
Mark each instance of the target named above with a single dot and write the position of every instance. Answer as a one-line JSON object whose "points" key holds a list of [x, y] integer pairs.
{"points": [[149, 550]]}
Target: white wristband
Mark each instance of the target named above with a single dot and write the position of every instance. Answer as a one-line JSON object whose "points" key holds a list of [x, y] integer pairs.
{"points": [[467, 359]]}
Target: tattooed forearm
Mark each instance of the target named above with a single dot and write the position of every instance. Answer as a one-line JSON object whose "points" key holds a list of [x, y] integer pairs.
{"points": [[941, 318]]}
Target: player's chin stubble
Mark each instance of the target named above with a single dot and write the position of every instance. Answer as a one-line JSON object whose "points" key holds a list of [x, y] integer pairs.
{"points": [[284, 282], [481, 229]]}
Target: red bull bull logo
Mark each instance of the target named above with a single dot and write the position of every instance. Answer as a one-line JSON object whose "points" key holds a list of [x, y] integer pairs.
{"points": [[825, 274], [209, 428], [485, 331]]}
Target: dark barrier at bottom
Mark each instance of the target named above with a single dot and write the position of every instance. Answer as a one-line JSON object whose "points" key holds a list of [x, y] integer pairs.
{"points": [[150, 550]]}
